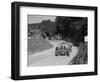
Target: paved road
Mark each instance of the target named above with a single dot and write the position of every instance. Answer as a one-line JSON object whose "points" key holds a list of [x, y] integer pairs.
{"points": [[48, 58]]}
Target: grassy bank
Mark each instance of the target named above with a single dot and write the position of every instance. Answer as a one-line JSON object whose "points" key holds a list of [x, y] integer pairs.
{"points": [[82, 55], [36, 45]]}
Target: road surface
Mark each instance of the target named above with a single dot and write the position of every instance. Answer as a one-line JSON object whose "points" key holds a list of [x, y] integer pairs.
{"points": [[48, 58]]}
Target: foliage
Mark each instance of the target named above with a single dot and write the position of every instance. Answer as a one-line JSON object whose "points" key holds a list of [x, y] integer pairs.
{"points": [[72, 28], [45, 26], [82, 55]]}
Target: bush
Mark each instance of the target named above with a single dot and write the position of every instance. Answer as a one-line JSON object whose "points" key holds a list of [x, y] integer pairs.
{"points": [[82, 55]]}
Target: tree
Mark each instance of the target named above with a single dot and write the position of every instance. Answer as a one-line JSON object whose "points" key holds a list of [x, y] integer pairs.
{"points": [[72, 28]]}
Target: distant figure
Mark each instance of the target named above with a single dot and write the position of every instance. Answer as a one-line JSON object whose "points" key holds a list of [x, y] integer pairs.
{"points": [[62, 51], [57, 51], [66, 51], [69, 49]]}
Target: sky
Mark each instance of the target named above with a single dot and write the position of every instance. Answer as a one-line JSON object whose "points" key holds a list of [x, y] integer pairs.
{"points": [[39, 18]]}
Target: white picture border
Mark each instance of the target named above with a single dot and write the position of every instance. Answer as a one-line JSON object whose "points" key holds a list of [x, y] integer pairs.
{"points": [[24, 70]]}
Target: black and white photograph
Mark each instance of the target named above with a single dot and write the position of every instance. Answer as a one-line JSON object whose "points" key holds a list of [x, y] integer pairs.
{"points": [[56, 40], [53, 40]]}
